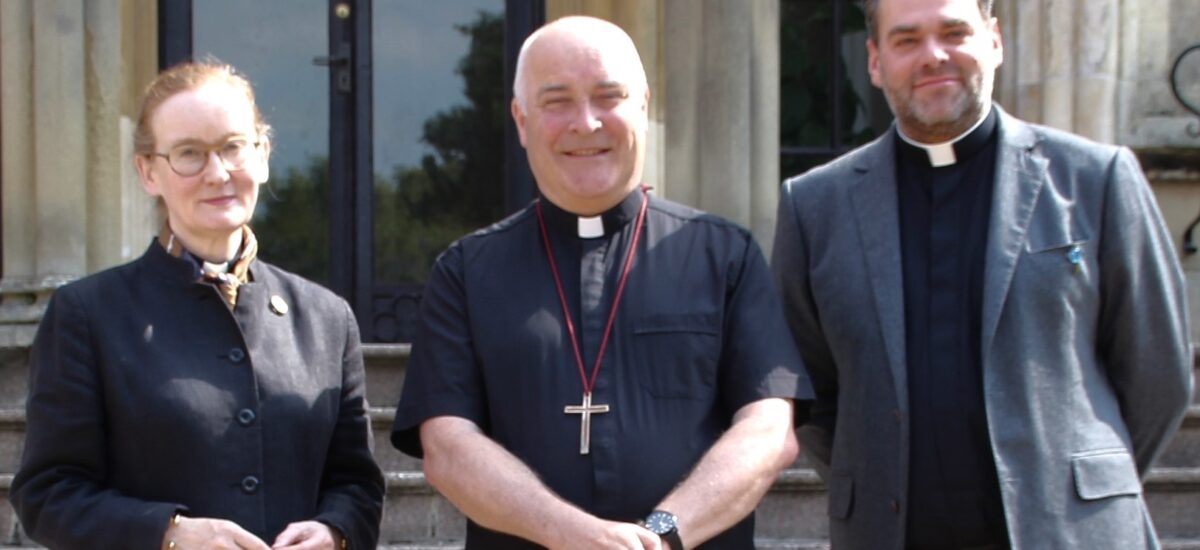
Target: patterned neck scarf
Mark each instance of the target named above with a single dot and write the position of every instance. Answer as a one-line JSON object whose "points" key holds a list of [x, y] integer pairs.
{"points": [[228, 281]]}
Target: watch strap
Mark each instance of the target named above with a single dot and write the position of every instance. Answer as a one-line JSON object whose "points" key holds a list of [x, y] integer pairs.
{"points": [[672, 538]]}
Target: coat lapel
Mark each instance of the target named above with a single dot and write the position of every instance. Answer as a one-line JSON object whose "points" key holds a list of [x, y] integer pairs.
{"points": [[1020, 176], [875, 205]]}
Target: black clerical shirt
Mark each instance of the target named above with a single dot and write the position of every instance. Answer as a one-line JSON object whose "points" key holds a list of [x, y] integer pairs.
{"points": [[954, 497], [699, 334]]}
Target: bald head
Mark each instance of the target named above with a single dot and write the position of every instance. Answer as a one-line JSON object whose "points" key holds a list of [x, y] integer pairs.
{"points": [[565, 39]]}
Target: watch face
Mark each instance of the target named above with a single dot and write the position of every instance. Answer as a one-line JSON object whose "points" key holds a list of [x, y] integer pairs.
{"points": [[660, 523]]}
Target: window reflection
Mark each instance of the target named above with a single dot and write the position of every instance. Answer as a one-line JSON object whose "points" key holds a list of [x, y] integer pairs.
{"points": [[439, 130]]}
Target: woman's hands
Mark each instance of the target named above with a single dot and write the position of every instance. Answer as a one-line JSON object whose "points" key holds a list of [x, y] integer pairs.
{"points": [[209, 534], [218, 534]]}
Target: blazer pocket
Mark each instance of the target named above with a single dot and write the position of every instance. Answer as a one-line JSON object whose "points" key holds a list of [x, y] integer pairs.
{"points": [[1034, 247], [1104, 474], [841, 496]]}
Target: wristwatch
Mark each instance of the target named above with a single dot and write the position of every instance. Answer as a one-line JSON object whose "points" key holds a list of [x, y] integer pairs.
{"points": [[665, 525]]}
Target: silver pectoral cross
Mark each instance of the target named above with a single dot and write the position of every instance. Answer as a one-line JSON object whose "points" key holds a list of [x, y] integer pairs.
{"points": [[586, 410]]}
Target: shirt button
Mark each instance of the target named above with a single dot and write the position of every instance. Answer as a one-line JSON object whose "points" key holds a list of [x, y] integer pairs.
{"points": [[245, 417], [236, 355], [249, 485], [895, 506]]}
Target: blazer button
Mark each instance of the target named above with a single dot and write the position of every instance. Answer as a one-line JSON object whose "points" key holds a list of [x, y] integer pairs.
{"points": [[249, 485], [896, 413], [246, 417], [895, 506], [236, 355]]}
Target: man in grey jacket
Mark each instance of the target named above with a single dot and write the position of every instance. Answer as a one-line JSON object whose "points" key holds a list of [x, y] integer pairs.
{"points": [[992, 312]]}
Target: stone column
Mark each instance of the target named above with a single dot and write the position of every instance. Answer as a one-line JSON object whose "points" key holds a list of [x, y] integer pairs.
{"points": [[1098, 68], [72, 203], [59, 142], [1097, 47], [722, 109]]}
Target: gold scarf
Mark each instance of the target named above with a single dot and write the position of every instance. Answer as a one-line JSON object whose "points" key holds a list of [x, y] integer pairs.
{"points": [[226, 283]]}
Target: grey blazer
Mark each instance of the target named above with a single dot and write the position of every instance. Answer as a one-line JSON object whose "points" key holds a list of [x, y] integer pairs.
{"points": [[1087, 367]]}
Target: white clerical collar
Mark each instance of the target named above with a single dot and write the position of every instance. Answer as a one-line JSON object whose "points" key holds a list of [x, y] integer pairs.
{"points": [[942, 154], [209, 267], [591, 227]]}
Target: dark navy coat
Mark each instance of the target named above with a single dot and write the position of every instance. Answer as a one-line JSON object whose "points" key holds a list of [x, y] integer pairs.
{"points": [[149, 396]]}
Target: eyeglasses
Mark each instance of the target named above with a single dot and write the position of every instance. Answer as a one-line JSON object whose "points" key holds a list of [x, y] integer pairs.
{"points": [[190, 159]]}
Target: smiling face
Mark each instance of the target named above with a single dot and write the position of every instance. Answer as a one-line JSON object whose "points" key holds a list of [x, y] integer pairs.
{"points": [[581, 112], [215, 203], [935, 61]]}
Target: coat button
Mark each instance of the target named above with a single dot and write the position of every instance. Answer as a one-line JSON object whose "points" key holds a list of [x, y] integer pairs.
{"points": [[896, 413], [249, 484], [895, 506], [236, 355], [246, 417]]}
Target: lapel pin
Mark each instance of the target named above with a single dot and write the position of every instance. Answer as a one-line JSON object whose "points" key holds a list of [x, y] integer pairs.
{"points": [[278, 306], [1075, 256]]}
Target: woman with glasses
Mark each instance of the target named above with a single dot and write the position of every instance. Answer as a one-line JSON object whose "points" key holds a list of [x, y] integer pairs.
{"points": [[198, 397]]}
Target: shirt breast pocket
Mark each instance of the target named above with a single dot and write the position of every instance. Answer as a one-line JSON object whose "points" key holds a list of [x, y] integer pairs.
{"points": [[679, 354]]}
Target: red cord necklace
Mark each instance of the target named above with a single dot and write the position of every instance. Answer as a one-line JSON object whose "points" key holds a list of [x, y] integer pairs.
{"points": [[586, 409]]}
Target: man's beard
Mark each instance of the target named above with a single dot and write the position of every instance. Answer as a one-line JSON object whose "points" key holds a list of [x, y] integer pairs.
{"points": [[930, 127]]}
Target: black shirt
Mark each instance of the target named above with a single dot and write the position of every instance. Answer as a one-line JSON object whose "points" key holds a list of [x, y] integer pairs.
{"points": [[954, 496], [699, 334]]}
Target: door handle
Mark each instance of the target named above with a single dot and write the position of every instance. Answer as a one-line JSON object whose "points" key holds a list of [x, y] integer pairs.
{"points": [[339, 61]]}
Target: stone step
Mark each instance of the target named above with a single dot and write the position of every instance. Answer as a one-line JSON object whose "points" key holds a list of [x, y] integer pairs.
{"points": [[385, 364], [1184, 449], [14, 377]]}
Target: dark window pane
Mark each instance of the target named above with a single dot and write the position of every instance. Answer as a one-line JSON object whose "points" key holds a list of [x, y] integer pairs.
{"points": [[828, 104]]}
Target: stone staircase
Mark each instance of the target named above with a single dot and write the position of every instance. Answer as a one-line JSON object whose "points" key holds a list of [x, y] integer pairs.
{"points": [[791, 517]]}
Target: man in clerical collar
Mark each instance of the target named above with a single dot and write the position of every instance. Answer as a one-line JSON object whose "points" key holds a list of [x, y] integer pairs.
{"points": [[992, 312], [605, 368]]}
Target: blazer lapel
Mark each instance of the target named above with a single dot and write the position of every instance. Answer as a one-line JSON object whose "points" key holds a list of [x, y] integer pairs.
{"points": [[875, 205], [1020, 176]]}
